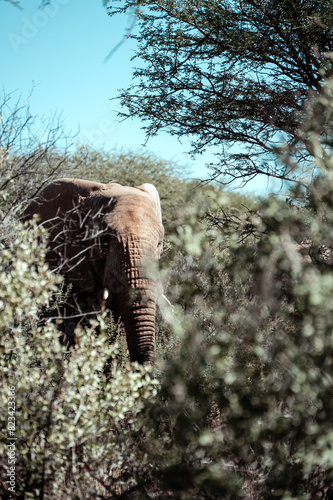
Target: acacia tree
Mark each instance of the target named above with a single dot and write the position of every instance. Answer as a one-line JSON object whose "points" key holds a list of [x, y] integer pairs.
{"points": [[233, 75]]}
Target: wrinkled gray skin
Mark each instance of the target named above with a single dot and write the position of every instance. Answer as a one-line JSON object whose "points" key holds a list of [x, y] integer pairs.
{"points": [[102, 239]]}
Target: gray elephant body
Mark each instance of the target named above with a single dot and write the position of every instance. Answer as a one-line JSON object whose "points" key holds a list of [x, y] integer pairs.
{"points": [[102, 238]]}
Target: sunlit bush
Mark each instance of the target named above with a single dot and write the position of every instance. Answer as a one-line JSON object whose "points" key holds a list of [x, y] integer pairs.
{"points": [[73, 421]]}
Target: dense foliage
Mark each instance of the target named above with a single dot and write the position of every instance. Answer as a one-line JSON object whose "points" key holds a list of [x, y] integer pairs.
{"points": [[241, 403], [246, 407], [225, 73], [65, 422]]}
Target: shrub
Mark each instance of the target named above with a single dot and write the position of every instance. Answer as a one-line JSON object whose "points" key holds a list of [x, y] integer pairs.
{"points": [[70, 426], [245, 408]]}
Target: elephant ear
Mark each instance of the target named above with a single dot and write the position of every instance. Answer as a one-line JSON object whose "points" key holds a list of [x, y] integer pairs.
{"points": [[151, 190], [61, 208]]}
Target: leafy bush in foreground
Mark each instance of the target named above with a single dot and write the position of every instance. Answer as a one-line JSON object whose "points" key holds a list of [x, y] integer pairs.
{"points": [[73, 425], [245, 407]]}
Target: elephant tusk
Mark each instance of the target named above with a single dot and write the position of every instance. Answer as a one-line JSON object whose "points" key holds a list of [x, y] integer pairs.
{"points": [[105, 296], [166, 300]]}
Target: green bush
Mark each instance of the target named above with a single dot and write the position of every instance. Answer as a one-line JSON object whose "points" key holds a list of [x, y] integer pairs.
{"points": [[245, 408], [73, 422]]}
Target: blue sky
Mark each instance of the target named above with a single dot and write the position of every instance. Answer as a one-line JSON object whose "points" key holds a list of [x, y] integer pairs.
{"points": [[60, 50]]}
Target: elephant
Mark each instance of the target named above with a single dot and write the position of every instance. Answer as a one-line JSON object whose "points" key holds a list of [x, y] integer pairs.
{"points": [[103, 239]]}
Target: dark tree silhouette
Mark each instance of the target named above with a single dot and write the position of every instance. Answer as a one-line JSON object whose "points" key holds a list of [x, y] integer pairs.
{"points": [[232, 75]]}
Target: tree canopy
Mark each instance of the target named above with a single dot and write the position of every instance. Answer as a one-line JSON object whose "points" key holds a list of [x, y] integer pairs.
{"points": [[232, 75]]}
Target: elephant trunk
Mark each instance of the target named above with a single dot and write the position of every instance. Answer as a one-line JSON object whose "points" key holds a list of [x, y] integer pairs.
{"points": [[139, 323], [137, 304], [138, 316]]}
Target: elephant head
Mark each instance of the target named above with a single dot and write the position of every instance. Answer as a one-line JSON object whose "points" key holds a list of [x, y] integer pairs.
{"points": [[102, 238]]}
